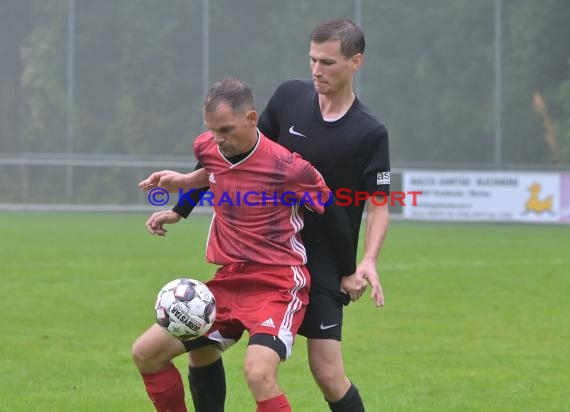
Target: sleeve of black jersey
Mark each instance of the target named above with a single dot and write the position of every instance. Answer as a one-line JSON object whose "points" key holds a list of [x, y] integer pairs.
{"points": [[267, 123], [186, 203], [376, 174], [339, 231]]}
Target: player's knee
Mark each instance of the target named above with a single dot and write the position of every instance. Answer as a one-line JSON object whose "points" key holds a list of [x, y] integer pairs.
{"points": [[140, 355], [146, 359], [259, 375]]}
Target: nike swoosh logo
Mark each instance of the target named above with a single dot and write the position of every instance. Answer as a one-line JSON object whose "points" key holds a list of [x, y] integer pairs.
{"points": [[293, 131], [325, 327]]}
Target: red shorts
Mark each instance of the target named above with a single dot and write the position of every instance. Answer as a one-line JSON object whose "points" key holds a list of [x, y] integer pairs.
{"points": [[260, 299]]}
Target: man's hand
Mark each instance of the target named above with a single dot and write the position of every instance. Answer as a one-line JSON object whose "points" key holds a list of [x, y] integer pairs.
{"points": [[156, 221], [353, 285], [172, 181], [366, 271], [162, 179]]}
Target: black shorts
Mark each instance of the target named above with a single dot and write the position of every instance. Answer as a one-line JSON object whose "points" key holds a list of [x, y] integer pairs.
{"points": [[323, 318]]}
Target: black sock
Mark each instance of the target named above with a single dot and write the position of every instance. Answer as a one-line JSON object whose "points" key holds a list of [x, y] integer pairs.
{"points": [[208, 387], [350, 402]]}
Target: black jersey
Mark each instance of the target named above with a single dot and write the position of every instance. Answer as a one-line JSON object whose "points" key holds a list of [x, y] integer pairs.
{"points": [[351, 153]]}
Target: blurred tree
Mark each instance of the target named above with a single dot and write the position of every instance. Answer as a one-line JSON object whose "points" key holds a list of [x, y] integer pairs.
{"points": [[536, 61], [43, 78], [428, 72], [136, 70], [562, 122], [15, 21]]}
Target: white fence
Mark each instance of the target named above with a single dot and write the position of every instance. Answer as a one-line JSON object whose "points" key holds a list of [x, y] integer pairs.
{"points": [[108, 183], [57, 182]]}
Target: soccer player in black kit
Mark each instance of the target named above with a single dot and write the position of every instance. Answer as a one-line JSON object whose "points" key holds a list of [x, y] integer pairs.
{"points": [[324, 121]]}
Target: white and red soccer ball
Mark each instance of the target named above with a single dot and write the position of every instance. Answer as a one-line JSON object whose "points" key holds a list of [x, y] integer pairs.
{"points": [[185, 308]]}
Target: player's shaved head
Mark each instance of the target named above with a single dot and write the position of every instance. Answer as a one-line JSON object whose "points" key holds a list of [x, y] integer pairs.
{"points": [[351, 36], [234, 92]]}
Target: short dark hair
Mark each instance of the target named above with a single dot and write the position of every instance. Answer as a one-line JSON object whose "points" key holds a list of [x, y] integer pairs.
{"points": [[234, 92], [350, 35]]}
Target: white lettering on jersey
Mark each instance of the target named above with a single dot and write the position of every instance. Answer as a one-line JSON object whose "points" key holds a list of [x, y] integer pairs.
{"points": [[383, 178]]}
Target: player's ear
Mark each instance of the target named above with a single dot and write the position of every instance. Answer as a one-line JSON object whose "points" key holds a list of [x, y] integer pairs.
{"points": [[357, 61], [251, 117]]}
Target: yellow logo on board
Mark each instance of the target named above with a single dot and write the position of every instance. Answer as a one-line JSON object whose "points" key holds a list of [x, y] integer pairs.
{"points": [[535, 203]]}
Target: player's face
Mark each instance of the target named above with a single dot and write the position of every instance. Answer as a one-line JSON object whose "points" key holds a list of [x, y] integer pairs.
{"points": [[234, 133], [332, 72]]}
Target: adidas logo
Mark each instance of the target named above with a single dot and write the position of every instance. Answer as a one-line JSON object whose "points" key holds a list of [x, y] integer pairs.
{"points": [[211, 177], [268, 323]]}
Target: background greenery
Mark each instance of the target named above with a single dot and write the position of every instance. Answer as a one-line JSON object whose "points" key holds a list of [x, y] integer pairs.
{"points": [[476, 317], [429, 76], [428, 72]]}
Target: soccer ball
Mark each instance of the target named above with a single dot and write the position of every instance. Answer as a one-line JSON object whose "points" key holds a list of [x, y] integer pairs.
{"points": [[185, 308]]}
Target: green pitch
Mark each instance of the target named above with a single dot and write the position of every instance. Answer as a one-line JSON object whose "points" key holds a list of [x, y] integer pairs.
{"points": [[476, 317]]}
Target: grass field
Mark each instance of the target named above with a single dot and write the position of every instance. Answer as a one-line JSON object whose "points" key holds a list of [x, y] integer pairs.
{"points": [[477, 317]]}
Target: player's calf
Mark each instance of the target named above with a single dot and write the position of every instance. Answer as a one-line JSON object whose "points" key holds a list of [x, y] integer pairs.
{"points": [[165, 389]]}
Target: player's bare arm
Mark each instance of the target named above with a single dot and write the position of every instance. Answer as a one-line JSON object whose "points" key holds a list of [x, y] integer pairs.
{"points": [[377, 220], [173, 181]]}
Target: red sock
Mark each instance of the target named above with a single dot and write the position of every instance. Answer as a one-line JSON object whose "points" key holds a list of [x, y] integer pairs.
{"points": [[277, 404], [165, 389]]}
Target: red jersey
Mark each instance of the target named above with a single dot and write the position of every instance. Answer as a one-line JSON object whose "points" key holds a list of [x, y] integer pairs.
{"points": [[256, 218]]}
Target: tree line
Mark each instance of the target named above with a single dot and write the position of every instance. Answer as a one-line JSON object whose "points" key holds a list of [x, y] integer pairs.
{"points": [[428, 74]]}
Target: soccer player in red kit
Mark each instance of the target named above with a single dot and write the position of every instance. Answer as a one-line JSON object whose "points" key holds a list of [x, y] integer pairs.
{"points": [[260, 190]]}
